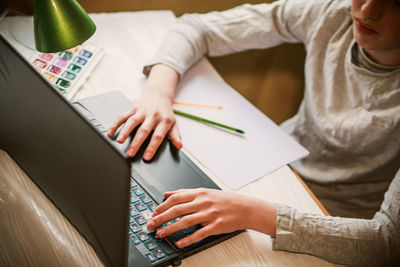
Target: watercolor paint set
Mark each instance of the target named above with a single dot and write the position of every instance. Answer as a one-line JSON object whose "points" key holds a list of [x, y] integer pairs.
{"points": [[68, 70]]}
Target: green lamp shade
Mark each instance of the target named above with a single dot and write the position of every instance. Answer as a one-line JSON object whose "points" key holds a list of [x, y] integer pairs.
{"points": [[60, 25]]}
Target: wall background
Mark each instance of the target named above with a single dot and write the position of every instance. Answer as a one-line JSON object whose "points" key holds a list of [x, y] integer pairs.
{"points": [[271, 79]]}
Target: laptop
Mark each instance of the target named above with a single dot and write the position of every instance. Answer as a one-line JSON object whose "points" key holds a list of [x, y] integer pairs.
{"points": [[107, 196]]}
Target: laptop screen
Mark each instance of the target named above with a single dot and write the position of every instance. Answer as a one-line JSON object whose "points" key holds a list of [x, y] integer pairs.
{"points": [[78, 170]]}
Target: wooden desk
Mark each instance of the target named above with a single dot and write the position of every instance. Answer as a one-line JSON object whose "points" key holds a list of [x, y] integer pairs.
{"points": [[34, 232]]}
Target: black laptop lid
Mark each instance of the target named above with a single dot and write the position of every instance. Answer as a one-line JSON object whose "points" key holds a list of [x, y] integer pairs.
{"points": [[80, 172]]}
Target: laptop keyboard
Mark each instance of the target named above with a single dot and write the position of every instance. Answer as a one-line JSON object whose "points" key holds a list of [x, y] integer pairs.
{"points": [[141, 208], [153, 248]]}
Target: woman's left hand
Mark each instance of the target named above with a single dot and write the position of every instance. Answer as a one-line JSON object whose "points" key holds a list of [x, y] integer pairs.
{"points": [[217, 211]]}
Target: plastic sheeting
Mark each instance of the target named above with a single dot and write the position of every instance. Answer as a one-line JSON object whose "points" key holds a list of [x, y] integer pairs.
{"points": [[33, 232]]}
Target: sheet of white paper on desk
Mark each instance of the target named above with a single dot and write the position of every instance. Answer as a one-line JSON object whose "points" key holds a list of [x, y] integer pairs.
{"points": [[233, 158]]}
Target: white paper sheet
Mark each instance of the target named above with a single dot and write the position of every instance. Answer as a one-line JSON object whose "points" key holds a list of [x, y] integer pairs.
{"points": [[234, 158]]}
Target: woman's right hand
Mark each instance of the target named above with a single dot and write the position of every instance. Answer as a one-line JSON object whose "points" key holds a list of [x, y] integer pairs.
{"points": [[217, 211], [152, 111]]}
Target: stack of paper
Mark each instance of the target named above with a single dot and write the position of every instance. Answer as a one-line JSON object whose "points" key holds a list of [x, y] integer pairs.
{"points": [[233, 158]]}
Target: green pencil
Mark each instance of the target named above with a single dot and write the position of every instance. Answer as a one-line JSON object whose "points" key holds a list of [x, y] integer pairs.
{"points": [[194, 117]]}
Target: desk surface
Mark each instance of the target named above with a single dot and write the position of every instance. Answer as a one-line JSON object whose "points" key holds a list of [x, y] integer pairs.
{"points": [[55, 242]]}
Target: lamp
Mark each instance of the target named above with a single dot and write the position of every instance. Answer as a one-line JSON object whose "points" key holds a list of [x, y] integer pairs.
{"points": [[60, 25]]}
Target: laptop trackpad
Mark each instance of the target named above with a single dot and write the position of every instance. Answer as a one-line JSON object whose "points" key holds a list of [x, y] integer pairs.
{"points": [[169, 170]]}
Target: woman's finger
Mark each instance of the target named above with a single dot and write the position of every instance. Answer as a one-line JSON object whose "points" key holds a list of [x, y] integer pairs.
{"points": [[131, 123], [173, 213], [175, 136], [183, 223], [156, 139], [118, 122], [196, 236], [141, 134], [176, 197]]}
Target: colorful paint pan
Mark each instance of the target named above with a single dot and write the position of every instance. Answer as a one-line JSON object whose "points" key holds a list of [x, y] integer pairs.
{"points": [[68, 70]]}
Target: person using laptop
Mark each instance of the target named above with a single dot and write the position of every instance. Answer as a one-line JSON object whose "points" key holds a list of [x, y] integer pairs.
{"points": [[349, 120]]}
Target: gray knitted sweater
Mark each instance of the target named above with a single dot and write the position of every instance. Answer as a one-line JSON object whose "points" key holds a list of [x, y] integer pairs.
{"points": [[349, 120]]}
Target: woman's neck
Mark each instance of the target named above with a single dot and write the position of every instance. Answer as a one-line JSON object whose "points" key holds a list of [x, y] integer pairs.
{"points": [[390, 58]]}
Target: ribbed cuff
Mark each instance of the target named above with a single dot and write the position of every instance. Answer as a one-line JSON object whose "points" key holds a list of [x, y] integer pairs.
{"points": [[284, 228], [147, 68]]}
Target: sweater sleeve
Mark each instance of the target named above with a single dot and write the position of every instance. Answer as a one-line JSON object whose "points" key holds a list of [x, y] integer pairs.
{"points": [[241, 28], [359, 242]]}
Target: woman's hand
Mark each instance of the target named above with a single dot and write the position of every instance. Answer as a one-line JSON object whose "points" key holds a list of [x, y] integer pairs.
{"points": [[152, 111], [217, 211]]}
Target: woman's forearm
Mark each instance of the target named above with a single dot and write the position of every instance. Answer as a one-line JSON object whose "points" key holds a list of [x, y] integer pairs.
{"points": [[262, 217], [162, 79]]}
